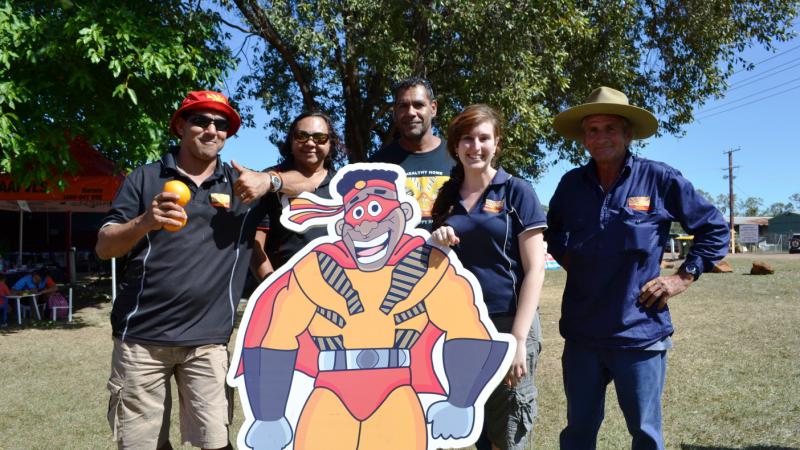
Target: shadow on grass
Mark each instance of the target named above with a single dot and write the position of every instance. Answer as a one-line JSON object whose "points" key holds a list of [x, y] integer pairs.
{"points": [[88, 295], [749, 447], [60, 324]]}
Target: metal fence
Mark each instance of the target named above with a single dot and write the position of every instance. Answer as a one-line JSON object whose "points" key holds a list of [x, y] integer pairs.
{"points": [[770, 243]]}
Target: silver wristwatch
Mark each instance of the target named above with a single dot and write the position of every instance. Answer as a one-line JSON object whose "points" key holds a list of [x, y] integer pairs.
{"points": [[275, 181]]}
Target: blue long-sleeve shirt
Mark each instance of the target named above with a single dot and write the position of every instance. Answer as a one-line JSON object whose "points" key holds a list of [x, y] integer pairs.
{"points": [[614, 242]]}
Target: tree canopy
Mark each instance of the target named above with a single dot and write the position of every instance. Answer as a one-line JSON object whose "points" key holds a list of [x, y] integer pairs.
{"points": [[111, 72], [778, 208], [529, 59], [751, 206]]}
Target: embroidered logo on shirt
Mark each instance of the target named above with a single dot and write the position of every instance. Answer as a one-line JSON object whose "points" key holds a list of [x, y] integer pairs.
{"points": [[220, 200], [639, 203], [493, 206]]}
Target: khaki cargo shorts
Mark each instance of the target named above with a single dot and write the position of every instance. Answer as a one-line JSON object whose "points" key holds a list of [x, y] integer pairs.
{"points": [[140, 404]]}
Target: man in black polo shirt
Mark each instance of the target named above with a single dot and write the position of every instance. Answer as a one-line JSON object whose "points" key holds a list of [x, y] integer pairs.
{"points": [[179, 292], [417, 150]]}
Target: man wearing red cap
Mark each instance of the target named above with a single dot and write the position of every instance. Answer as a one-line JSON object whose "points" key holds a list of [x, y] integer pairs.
{"points": [[179, 291], [360, 313]]}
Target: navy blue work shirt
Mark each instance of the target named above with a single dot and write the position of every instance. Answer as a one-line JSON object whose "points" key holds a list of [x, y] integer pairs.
{"points": [[613, 243], [489, 238]]}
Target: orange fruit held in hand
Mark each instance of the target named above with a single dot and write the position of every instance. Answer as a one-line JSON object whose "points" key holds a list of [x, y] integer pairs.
{"points": [[180, 188], [173, 228], [184, 195]]}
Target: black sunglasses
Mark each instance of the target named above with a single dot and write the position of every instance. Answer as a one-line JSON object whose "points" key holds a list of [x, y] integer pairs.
{"points": [[204, 121], [304, 136]]}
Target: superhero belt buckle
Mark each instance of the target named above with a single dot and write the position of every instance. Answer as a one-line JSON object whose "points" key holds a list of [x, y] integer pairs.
{"points": [[367, 358]]}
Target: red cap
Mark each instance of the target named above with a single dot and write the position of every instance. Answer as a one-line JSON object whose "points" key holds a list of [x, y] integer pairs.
{"points": [[208, 100]]}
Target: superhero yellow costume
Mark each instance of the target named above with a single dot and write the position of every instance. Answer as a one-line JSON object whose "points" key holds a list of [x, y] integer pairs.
{"points": [[361, 316], [358, 321]]}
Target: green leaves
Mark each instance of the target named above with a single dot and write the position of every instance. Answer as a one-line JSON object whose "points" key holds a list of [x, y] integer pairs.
{"points": [[529, 59], [132, 95], [111, 72]]}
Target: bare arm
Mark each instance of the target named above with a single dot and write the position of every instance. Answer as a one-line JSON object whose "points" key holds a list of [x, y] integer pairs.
{"points": [[295, 183], [531, 250], [252, 185], [259, 262], [49, 287], [117, 239]]}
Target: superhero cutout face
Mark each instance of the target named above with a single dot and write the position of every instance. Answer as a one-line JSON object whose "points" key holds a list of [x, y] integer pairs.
{"points": [[374, 221]]}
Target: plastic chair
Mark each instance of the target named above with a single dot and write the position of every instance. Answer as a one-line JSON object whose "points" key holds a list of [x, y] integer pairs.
{"points": [[68, 307], [27, 310]]}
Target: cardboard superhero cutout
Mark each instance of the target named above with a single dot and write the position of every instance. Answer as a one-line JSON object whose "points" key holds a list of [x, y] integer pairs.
{"points": [[370, 337]]}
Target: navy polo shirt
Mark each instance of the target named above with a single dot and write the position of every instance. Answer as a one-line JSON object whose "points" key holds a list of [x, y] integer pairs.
{"points": [[182, 288], [614, 241], [489, 244]]}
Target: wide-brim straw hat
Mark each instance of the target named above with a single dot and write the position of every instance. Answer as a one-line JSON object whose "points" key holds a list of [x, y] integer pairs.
{"points": [[605, 100]]}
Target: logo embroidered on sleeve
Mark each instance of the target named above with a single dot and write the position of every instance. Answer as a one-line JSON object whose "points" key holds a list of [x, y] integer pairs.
{"points": [[639, 203], [220, 200], [493, 206]]}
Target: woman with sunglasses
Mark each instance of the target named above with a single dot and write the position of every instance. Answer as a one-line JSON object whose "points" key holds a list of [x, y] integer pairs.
{"points": [[310, 148], [494, 222]]}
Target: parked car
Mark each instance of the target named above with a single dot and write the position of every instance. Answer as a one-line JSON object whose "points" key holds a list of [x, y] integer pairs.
{"points": [[794, 243]]}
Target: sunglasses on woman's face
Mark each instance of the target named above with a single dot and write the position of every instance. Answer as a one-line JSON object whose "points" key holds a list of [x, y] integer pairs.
{"points": [[204, 121], [318, 138]]}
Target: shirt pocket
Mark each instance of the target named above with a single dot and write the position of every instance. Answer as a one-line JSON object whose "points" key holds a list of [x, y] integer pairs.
{"points": [[579, 239], [641, 229]]}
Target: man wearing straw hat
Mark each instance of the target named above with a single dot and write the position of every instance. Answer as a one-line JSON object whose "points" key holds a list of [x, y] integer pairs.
{"points": [[609, 222]]}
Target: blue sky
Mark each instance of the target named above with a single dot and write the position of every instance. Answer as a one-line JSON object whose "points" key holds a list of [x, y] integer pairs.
{"points": [[758, 115]]}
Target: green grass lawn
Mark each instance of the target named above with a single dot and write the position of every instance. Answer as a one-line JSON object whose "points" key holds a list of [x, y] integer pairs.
{"points": [[733, 380]]}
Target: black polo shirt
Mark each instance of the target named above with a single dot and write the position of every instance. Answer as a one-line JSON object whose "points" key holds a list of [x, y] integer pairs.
{"points": [[425, 174], [182, 288], [282, 244]]}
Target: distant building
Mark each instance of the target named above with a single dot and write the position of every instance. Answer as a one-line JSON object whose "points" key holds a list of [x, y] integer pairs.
{"points": [[763, 223], [786, 223]]}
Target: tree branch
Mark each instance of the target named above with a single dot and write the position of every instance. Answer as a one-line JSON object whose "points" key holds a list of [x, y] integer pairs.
{"points": [[236, 27], [256, 17]]}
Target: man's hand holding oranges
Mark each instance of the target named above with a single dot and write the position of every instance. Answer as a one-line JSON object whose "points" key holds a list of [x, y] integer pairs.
{"points": [[166, 209]]}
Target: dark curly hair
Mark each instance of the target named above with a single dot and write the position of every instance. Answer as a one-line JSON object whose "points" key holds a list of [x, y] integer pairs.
{"points": [[337, 147], [461, 124]]}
